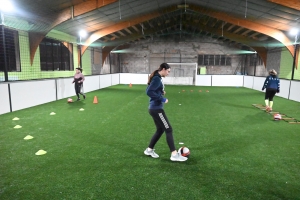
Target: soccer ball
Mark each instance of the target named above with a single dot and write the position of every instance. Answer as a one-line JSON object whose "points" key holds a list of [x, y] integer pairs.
{"points": [[70, 100], [184, 151], [277, 117]]}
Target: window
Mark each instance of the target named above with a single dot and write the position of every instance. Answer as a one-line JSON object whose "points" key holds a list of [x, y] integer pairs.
{"points": [[206, 59], [223, 60], [217, 59], [11, 39], [200, 59], [228, 61], [211, 60], [214, 60], [56, 55]]}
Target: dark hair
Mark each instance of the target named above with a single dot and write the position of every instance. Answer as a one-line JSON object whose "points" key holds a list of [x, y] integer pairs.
{"points": [[161, 67], [273, 72], [80, 69]]}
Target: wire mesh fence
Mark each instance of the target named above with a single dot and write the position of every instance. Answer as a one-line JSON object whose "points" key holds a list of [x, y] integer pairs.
{"points": [[58, 56]]}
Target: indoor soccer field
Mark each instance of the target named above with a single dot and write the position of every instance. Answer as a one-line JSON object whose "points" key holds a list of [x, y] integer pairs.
{"points": [[237, 150]]}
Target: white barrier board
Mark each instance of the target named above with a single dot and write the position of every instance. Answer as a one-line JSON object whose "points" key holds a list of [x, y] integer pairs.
{"points": [[4, 100], [32, 93]]}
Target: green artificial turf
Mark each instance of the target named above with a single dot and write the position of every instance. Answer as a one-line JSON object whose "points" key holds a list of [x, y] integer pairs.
{"points": [[237, 151]]}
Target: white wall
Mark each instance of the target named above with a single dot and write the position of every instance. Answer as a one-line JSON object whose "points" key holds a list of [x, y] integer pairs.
{"points": [[203, 80], [27, 94], [105, 81], [284, 89], [32, 93], [65, 88], [258, 83], [91, 83], [220, 80], [178, 80], [115, 79], [295, 91], [227, 80], [127, 78], [4, 98], [44, 91], [248, 81]]}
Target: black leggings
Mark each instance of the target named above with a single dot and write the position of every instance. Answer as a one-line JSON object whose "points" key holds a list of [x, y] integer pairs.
{"points": [[78, 87], [270, 93], [162, 125]]}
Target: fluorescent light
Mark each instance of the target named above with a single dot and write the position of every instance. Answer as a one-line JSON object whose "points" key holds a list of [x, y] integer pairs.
{"points": [[82, 33], [6, 6], [294, 31]]}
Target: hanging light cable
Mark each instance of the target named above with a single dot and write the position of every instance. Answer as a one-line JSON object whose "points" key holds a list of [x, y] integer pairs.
{"points": [[120, 9], [246, 9], [142, 25], [222, 28]]}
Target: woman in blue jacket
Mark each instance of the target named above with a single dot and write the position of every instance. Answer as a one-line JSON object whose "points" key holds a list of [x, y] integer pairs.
{"points": [[156, 92], [272, 85]]}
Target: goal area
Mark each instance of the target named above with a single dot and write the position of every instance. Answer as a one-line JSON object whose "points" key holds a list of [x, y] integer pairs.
{"points": [[182, 74]]}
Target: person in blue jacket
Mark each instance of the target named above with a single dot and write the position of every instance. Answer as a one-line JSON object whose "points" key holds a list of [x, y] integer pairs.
{"points": [[272, 86], [156, 92]]}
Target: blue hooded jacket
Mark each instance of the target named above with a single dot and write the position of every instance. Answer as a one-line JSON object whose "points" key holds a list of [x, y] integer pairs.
{"points": [[272, 82], [155, 91]]}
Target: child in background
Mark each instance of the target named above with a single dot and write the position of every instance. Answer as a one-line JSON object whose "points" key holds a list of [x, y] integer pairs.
{"points": [[272, 86], [78, 80]]}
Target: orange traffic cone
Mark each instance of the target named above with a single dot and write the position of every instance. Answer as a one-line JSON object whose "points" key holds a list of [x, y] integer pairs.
{"points": [[95, 100], [130, 85]]}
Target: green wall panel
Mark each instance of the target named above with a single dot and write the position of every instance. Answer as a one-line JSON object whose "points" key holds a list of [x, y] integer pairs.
{"points": [[29, 72], [297, 71], [286, 64]]}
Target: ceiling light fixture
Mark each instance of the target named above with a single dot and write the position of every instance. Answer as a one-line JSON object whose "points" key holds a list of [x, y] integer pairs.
{"points": [[82, 33], [294, 31], [6, 6]]}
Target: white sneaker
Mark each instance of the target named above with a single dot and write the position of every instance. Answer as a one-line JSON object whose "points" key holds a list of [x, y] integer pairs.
{"points": [[151, 153], [178, 157]]}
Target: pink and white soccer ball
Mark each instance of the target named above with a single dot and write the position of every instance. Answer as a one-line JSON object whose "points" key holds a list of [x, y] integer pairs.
{"points": [[70, 100], [184, 151], [277, 117]]}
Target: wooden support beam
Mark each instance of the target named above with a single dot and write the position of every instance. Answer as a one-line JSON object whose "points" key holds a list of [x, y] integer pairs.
{"points": [[231, 27], [115, 36], [254, 34], [35, 38], [246, 32], [128, 31], [261, 28], [237, 30], [135, 28], [121, 33], [294, 4]]}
